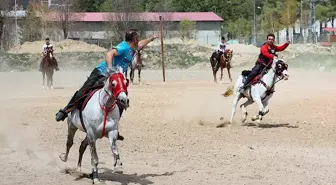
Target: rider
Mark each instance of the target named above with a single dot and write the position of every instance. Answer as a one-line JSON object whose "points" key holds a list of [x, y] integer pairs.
{"points": [[45, 47], [119, 56], [267, 53], [221, 47]]}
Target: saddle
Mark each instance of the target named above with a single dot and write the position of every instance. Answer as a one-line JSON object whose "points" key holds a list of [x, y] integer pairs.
{"points": [[256, 79]]}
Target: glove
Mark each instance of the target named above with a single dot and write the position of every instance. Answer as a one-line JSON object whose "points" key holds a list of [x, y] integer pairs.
{"points": [[110, 71]]}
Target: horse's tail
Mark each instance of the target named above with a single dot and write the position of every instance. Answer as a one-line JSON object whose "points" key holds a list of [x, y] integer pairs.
{"points": [[212, 61], [229, 90], [233, 87]]}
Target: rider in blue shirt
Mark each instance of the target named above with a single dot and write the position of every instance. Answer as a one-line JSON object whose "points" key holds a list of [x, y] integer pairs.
{"points": [[119, 56]]}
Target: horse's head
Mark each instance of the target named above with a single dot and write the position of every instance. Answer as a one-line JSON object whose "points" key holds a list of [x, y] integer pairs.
{"points": [[280, 68], [228, 54], [118, 87], [50, 53]]}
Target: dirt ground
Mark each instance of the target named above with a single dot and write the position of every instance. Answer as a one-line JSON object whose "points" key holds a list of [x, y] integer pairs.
{"points": [[170, 132]]}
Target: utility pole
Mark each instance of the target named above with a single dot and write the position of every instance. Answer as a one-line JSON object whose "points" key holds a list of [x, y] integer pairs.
{"points": [[16, 26], [311, 28], [301, 21], [254, 24]]}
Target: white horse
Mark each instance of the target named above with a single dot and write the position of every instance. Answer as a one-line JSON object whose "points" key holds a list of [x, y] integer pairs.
{"points": [[259, 92], [99, 118], [136, 64]]}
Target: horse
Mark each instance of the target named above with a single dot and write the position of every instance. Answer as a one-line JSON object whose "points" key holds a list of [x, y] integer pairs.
{"points": [[136, 64], [222, 63], [99, 117], [260, 91], [48, 67]]}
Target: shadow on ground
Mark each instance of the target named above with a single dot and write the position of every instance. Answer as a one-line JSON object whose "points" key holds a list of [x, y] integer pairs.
{"points": [[108, 175]]}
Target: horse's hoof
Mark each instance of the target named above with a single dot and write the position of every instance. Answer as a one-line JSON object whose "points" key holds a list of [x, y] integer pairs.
{"points": [[63, 157], [96, 181], [118, 170], [243, 120], [79, 169]]}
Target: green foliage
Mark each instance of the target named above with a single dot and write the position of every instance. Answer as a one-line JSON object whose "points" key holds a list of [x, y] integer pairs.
{"points": [[241, 28], [270, 17], [186, 29], [273, 14], [322, 13]]}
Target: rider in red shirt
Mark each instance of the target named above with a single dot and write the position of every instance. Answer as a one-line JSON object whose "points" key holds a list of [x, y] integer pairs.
{"points": [[267, 53]]}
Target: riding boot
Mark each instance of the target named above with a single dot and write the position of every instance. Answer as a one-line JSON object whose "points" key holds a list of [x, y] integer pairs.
{"points": [[63, 113], [254, 72]]}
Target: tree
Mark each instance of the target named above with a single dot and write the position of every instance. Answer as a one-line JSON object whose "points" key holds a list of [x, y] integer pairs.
{"points": [[288, 17], [126, 14], [241, 28], [89, 5], [65, 15], [270, 18], [322, 14], [36, 18], [4, 13], [186, 29]]}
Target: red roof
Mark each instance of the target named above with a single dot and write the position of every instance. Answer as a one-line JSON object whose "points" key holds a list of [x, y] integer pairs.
{"points": [[144, 16], [330, 29]]}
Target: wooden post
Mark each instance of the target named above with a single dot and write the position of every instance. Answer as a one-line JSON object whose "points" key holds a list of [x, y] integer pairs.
{"points": [[162, 52]]}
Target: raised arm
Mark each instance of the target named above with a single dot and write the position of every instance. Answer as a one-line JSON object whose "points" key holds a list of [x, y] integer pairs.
{"points": [[144, 42]]}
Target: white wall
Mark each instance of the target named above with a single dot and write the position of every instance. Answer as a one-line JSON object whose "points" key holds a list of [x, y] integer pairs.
{"points": [[316, 28]]}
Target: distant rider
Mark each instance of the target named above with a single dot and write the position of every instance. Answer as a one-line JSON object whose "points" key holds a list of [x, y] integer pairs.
{"points": [[45, 47]]}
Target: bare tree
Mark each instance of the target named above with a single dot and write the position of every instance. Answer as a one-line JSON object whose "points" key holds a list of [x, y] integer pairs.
{"points": [[126, 15], [65, 13], [36, 18], [5, 6]]}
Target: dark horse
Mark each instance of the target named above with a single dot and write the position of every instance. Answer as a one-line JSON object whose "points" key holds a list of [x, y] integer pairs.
{"points": [[136, 64], [48, 67], [224, 62]]}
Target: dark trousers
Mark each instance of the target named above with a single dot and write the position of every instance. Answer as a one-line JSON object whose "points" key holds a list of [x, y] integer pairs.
{"points": [[94, 77], [219, 55], [257, 69]]}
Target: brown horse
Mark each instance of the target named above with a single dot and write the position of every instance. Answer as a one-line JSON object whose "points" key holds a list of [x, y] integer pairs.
{"points": [[48, 67], [136, 64], [223, 63]]}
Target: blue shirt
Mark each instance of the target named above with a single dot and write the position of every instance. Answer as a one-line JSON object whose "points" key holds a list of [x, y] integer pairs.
{"points": [[123, 59]]}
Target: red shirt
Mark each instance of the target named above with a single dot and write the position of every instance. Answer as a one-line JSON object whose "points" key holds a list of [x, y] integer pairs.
{"points": [[267, 52]]}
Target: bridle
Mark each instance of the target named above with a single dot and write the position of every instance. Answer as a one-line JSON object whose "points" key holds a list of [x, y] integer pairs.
{"points": [[114, 80]]}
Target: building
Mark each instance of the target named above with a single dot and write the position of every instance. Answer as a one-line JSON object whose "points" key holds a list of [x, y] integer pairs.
{"points": [[94, 25]]}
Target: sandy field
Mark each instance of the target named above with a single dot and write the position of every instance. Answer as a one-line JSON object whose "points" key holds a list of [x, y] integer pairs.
{"points": [[170, 133]]}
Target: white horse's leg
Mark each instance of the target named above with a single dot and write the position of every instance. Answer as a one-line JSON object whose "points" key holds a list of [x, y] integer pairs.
{"points": [[113, 140], [243, 107], [257, 99], [265, 104], [234, 105], [71, 133], [94, 159], [82, 149]]}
